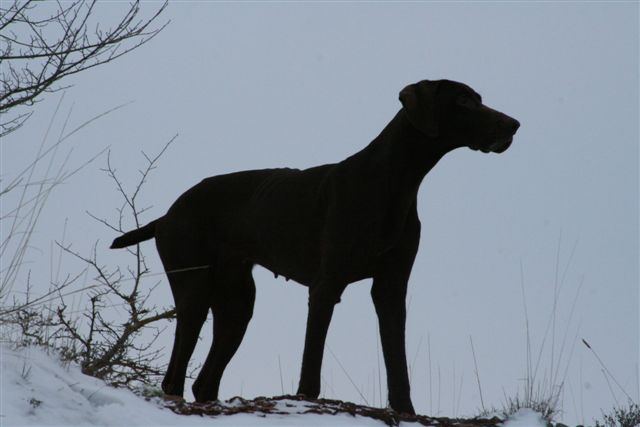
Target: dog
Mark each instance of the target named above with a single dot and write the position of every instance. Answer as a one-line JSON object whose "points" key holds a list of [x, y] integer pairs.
{"points": [[324, 227]]}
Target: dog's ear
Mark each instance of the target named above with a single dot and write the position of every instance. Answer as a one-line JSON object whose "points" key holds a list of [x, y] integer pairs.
{"points": [[419, 102]]}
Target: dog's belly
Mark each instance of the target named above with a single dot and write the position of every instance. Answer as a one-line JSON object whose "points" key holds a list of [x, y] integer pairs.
{"points": [[301, 254], [308, 272], [292, 251], [298, 276]]}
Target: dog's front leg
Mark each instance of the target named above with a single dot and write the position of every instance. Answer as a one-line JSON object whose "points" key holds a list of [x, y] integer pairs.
{"points": [[323, 296], [389, 299]]}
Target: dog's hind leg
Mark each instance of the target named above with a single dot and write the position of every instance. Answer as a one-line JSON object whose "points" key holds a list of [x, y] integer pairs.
{"points": [[323, 297], [232, 306], [192, 306]]}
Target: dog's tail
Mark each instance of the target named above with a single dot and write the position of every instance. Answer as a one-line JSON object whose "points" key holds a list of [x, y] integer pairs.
{"points": [[136, 236]]}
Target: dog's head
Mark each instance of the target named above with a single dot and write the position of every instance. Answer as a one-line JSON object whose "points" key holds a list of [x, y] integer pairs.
{"points": [[454, 113]]}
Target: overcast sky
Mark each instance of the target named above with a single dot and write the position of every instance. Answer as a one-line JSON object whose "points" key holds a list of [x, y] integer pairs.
{"points": [[258, 85]]}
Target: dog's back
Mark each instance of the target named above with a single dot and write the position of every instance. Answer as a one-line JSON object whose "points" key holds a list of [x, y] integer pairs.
{"points": [[271, 217]]}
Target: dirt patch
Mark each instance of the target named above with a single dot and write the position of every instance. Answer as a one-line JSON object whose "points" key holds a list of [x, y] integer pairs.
{"points": [[289, 405]]}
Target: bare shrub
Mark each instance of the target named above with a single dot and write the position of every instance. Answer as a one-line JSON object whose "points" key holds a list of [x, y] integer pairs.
{"points": [[622, 416], [113, 337]]}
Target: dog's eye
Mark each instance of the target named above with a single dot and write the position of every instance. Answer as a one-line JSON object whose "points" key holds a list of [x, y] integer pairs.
{"points": [[467, 101]]}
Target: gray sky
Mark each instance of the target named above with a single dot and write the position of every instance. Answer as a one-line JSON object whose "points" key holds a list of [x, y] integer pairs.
{"points": [[258, 85]]}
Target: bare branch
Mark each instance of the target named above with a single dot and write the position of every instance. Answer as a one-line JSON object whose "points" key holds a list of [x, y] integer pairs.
{"points": [[56, 46]]}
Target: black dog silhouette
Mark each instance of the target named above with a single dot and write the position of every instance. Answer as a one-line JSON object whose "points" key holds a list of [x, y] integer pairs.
{"points": [[324, 227]]}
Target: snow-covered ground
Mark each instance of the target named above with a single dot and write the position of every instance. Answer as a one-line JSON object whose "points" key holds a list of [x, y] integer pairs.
{"points": [[36, 389]]}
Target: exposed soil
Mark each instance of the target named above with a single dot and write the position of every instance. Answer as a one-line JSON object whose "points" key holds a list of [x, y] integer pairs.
{"points": [[288, 405]]}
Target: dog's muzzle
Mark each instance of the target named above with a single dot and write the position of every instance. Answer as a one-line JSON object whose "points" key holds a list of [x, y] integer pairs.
{"points": [[496, 146], [500, 146]]}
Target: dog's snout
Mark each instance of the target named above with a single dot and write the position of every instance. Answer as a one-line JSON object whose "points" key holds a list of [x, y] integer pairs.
{"points": [[510, 124]]}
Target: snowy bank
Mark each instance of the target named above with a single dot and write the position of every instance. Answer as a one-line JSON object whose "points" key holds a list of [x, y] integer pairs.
{"points": [[37, 390]]}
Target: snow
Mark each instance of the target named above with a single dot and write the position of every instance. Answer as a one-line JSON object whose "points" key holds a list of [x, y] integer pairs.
{"points": [[37, 390], [525, 418]]}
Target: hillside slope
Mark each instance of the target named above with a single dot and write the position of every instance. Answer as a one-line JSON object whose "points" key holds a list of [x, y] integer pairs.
{"points": [[36, 390]]}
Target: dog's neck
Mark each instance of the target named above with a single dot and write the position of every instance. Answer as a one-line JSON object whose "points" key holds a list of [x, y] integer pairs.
{"points": [[403, 152]]}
